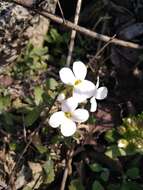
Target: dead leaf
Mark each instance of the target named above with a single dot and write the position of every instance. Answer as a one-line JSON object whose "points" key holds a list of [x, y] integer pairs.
{"points": [[36, 174], [5, 80], [35, 167]]}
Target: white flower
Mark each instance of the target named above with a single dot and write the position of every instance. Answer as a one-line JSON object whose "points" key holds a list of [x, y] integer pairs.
{"points": [[68, 116], [99, 94], [82, 89], [61, 97], [122, 143]]}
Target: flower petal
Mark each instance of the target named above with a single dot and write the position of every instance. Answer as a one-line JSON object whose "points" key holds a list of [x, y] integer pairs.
{"points": [[69, 105], [93, 104], [80, 115], [101, 93], [68, 128], [67, 76], [79, 70], [97, 83], [61, 97], [79, 97], [56, 119], [85, 89]]}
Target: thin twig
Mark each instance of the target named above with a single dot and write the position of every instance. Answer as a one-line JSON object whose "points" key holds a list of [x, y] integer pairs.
{"points": [[104, 26], [24, 128], [95, 57], [30, 138], [73, 33], [61, 10], [67, 169], [36, 182], [101, 49], [81, 29]]}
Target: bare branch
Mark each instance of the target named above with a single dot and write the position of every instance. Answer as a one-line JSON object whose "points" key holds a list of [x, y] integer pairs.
{"points": [[73, 33], [62, 14], [67, 168], [81, 29]]}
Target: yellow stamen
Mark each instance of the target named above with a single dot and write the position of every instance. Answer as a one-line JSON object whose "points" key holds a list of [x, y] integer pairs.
{"points": [[68, 114], [77, 82]]}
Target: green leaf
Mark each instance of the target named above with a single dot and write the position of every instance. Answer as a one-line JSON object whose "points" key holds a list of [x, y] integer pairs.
{"points": [[4, 102], [110, 136], [130, 185], [114, 151], [96, 167], [97, 186], [76, 185], [105, 175], [8, 118], [92, 120], [32, 116], [133, 173], [42, 149], [114, 187], [133, 149], [38, 52], [38, 92], [15, 146], [12, 146], [48, 39], [52, 83], [55, 35], [48, 168]]}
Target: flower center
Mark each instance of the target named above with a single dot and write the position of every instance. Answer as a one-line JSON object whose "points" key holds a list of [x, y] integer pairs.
{"points": [[77, 82], [68, 114]]}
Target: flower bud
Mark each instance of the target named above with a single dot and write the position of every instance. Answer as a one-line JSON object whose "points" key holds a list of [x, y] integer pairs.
{"points": [[122, 143]]}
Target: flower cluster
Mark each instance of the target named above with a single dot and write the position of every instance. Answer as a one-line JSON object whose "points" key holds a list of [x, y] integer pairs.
{"points": [[80, 90]]}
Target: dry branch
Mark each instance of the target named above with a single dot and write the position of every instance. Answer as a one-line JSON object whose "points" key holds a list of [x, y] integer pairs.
{"points": [[73, 33], [67, 168], [81, 29], [89, 32]]}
